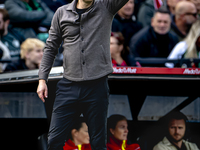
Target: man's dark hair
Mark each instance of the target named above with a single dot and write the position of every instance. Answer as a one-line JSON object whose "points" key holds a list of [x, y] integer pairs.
{"points": [[163, 10], [5, 14], [177, 115], [165, 120]]}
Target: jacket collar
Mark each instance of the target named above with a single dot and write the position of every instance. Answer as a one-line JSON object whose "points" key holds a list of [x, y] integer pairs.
{"points": [[167, 142], [155, 35], [70, 143], [72, 5], [115, 142]]}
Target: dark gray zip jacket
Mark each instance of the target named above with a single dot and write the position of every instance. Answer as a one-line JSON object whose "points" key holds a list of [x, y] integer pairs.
{"points": [[86, 44]]}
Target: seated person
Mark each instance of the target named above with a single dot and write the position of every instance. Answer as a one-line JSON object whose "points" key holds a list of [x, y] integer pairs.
{"points": [[188, 48], [185, 15], [155, 40], [4, 55], [11, 38], [30, 17], [31, 55], [146, 12], [117, 129], [175, 123], [129, 25], [120, 53], [55, 4], [117, 49], [79, 139], [116, 26]]}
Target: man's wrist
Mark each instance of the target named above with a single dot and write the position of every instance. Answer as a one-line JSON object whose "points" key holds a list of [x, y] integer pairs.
{"points": [[42, 81]]}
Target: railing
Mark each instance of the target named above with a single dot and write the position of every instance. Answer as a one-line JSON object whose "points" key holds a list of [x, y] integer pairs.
{"points": [[154, 61]]}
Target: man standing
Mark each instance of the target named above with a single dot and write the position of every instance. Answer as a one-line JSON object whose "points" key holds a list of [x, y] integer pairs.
{"points": [[84, 26], [176, 122]]}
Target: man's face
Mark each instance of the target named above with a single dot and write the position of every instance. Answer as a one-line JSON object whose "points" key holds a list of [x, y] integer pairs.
{"points": [[190, 15], [172, 4], [161, 23], [128, 8], [177, 129], [2, 25]]}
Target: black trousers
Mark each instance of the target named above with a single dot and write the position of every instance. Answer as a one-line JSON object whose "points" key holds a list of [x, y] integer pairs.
{"points": [[73, 98]]}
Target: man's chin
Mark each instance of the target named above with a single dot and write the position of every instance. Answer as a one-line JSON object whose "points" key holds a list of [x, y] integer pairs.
{"points": [[176, 140], [162, 32]]}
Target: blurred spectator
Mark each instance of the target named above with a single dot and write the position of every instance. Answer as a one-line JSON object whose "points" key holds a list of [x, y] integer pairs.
{"points": [[188, 48], [4, 55], [171, 4], [9, 36], [138, 4], [197, 4], [79, 139], [54, 4], [117, 49], [155, 40], [31, 55], [30, 17], [1, 53], [116, 26], [117, 129], [146, 12], [128, 22], [175, 123], [120, 53], [185, 16]]}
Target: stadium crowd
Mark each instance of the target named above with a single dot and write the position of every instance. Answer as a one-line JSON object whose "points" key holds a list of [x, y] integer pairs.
{"points": [[143, 29]]}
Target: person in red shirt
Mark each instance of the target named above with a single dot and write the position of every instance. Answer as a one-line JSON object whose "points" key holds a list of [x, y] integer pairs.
{"points": [[117, 49], [79, 139], [117, 134]]}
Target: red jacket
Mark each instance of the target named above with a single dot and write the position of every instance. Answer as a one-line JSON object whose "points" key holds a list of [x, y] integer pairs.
{"points": [[115, 144], [114, 63], [69, 145]]}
